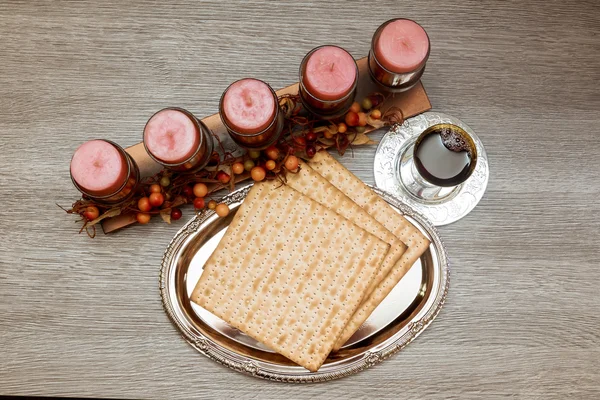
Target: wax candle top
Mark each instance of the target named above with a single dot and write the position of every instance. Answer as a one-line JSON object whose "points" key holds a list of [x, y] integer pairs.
{"points": [[171, 136], [402, 46], [99, 168], [330, 73], [249, 106]]}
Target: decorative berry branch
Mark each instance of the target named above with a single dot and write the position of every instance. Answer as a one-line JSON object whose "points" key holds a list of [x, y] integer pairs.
{"points": [[303, 135]]}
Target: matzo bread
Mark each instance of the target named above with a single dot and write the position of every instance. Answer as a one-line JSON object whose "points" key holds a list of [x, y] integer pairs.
{"points": [[313, 185], [361, 194], [289, 273]]}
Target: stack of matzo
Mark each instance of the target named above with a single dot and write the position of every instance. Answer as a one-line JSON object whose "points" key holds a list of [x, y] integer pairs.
{"points": [[303, 265]]}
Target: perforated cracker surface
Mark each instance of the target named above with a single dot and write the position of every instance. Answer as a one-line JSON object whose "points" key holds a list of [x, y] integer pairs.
{"points": [[328, 167], [289, 273], [313, 185]]}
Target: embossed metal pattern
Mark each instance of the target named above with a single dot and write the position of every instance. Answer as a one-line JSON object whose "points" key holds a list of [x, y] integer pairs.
{"points": [[386, 170], [400, 318]]}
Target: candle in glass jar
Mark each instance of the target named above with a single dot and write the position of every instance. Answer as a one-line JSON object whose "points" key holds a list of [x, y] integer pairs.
{"points": [[328, 79], [330, 73], [177, 140], [249, 110], [102, 170], [171, 136], [402, 46], [399, 51]]}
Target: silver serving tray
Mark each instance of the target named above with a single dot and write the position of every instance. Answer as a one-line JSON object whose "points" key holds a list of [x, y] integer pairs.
{"points": [[401, 317]]}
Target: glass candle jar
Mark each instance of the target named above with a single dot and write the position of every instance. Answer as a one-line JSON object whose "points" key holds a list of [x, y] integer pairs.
{"points": [[176, 139], [399, 52], [249, 109], [328, 80], [104, 172]]}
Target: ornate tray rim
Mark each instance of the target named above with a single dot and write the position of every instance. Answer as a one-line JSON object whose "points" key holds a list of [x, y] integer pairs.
{"points": [[370, 358]]}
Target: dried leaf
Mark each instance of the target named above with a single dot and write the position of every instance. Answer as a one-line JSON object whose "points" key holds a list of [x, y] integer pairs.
{"points": [[358, 139], [166, 215], [326, 142]]}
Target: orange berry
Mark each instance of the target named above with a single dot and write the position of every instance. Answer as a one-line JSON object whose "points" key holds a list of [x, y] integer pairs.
{"points": [[143, 218], [155, 188], [144, 204], [291, 163], [200, 190], [328, 135], [342, 128], [272, 152], [237, 168], [258, 174], [375, 114], [270, 165], [355, 107], [212, 204], [362, 119], [222, 210]]}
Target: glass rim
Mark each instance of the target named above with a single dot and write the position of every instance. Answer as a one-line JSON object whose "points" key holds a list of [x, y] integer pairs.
{"points": [[271, 124], [128, 160], [305, 89], [472, 146], [199, 125]]}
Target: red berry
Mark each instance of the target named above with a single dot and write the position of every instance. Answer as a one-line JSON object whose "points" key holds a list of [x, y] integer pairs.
{"points": [[223, 177], [311, 151], [311, 136], [155, 188], [144, 204], [143, 218], [156, 199], [91, 213], [176, 214], [272, 152], [199, 203], [187, 191], [291, 163], [300, 141], [351, 118]]}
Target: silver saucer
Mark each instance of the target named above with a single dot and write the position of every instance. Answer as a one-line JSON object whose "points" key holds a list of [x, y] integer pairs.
{"points": [[458, 201]]}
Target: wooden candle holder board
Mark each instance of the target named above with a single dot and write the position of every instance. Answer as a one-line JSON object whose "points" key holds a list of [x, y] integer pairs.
{"points": [[411, 102]]}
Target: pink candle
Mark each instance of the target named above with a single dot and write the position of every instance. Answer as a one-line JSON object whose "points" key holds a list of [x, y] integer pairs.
{"points": [[171, 136], [99, 168], [330, 73], [402, 46], [248, 106]]}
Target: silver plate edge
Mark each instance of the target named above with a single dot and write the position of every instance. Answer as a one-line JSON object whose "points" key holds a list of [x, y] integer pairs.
{"points": [[247, 366]]}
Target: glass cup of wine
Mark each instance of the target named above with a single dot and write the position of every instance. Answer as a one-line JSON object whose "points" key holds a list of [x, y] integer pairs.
{"points": [[442, 158]]}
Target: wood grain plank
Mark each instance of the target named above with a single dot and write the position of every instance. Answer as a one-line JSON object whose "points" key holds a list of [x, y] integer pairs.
{"points": [[82, 317]]}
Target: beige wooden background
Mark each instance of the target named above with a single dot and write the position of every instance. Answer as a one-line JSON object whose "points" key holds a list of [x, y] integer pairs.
{"points": [[81, 317]]}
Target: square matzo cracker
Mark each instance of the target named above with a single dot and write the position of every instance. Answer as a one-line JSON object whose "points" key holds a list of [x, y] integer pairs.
{"points": [[289, 273]]}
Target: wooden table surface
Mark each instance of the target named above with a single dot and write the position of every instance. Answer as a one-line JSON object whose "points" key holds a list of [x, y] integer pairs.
{"points": [[82, 317]]}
